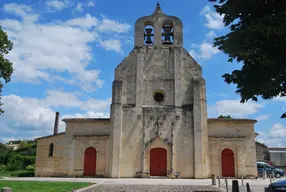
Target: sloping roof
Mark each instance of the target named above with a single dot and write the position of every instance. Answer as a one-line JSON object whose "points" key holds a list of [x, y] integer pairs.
{"points": [[231, 120], [87, 119], [277, 148], [50, 136], [261, 144], [209, 120]]}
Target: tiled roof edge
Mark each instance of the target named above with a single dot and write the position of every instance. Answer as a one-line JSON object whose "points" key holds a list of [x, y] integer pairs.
{"points": [[50, 136], [231, 120], [87, 119]]}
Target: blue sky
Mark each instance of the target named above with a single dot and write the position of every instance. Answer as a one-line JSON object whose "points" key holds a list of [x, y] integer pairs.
{"points": [[65, 53]]}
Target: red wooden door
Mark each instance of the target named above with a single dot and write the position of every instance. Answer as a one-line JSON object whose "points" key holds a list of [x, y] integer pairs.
{"points": [[158, 162], [227, 163], [89, 162]]}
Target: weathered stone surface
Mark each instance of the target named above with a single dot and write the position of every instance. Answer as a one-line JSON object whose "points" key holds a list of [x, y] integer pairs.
{"points": [[139, 123]]}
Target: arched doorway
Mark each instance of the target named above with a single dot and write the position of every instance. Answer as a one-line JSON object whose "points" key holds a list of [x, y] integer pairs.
{"points": [[89, 162], [227, 163], [158, 162]]}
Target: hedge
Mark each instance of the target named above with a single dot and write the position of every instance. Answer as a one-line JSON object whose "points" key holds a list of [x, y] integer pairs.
{"points": [[23, 173]]}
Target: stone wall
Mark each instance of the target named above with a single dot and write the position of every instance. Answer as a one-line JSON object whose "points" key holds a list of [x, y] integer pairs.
{"points": [[69, 149], [240, 138], [278, 158], [51, 165], [137, 119], [262, 153]]}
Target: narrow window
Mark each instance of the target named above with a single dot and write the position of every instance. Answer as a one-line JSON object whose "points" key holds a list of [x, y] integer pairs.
{"points": [[148, 35], [51, 150]]}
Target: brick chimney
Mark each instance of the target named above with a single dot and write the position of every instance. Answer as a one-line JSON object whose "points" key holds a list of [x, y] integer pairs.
{"points": [[56, 126]]}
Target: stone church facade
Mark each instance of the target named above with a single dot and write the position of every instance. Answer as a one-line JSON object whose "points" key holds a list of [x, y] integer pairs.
{"points": [[158, 124]]}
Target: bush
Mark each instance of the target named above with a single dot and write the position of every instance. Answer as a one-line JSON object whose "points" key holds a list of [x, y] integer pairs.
{"points": [[3, 167], [14, 165], [28, 160], [23, 173], [30, 168], [19, 162]]}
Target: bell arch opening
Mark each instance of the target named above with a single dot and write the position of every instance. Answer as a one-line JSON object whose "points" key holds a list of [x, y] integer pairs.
{"points": [[148, 34], [167, 33]]}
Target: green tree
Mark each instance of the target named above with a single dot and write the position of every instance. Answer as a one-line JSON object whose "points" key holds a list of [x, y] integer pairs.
{"points": [[24, 144], [257, 40], [6, 68], [225, 116]]}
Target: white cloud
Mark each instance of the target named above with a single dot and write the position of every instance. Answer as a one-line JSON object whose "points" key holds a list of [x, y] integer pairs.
{"points": [[275, 137], [58, 98], [278, 130], [112, 45], [40, 48], [13, 25], [78, 7], [262, 117], [109, 25], [25, 116], [207, 50], [17, 9], [88, 114], [210, 35], [280, 98], [234, 108], [87, 21], [193, 53], [214, 20], [91, 4], [204, 51], [57, 4], [7, 139]]}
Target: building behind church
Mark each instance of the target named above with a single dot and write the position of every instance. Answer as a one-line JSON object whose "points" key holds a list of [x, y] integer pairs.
{"points": [[158, 124]]}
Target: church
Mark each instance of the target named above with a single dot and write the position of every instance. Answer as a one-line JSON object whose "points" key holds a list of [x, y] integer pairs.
{"points": [[158, 125]]}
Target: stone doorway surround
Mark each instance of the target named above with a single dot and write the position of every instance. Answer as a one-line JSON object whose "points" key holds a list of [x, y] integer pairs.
{"points": [[158, 142]]}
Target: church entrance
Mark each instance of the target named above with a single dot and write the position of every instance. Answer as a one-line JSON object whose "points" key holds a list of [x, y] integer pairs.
{"points": [[158, 162], [227, 163], [89, 162]]}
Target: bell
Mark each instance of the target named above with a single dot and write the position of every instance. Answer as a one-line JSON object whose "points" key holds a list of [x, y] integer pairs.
{"points": [[148, 36], [167, 40], [167, 33]]}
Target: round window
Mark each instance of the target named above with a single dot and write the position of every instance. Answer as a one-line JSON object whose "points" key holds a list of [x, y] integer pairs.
{"points": [[159, 96]]}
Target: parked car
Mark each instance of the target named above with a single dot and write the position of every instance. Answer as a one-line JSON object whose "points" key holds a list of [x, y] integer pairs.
{"points": [[261, 166], [277, 186]]}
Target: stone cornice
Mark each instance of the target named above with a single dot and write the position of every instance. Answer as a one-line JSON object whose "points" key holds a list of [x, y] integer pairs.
{"points": [[86, 119], [50, 136], [226, 138], [230, 120], [103, 136]]}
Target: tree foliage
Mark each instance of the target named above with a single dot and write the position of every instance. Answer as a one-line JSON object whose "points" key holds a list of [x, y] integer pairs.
{"points": [[257, 38], [225, 116], [6, 68]]}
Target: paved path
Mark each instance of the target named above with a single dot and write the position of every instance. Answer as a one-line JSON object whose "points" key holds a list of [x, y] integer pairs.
{"points": [[256, 185], [153, 188]]}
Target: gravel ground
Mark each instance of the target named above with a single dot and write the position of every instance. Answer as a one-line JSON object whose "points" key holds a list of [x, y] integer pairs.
{"points": [[152, 188]]}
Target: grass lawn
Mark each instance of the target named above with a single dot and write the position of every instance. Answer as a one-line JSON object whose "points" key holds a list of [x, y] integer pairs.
{"points": [[40, 186]]}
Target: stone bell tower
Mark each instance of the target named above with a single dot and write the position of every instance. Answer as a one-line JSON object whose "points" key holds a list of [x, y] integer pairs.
{"points": [[158, 110]]}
